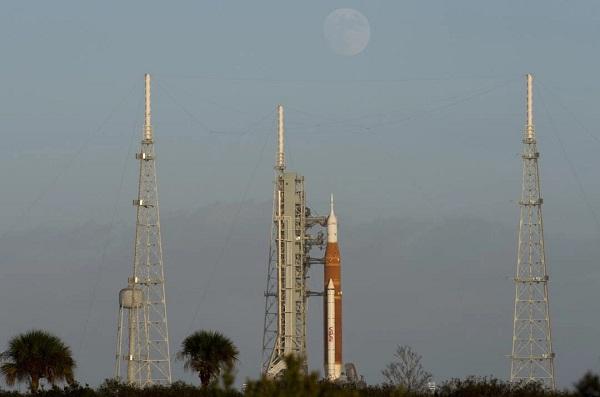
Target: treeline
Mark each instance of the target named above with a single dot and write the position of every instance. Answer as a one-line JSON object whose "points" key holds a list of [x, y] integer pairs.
{"points": [[294, 383], [305, 386]]}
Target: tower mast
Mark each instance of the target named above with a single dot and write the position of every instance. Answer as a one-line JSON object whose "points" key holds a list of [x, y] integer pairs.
{"points": [[532, 358], [286, 295], [148, 358]]}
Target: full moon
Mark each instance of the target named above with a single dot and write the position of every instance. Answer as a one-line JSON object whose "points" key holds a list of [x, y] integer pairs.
{"points": [[347, 31]]}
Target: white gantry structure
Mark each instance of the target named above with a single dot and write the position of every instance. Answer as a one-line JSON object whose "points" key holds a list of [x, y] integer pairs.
{"points": [[286, 294]]}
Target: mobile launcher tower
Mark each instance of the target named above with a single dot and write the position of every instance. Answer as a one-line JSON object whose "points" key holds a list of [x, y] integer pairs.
{"points": [[289, 262]]}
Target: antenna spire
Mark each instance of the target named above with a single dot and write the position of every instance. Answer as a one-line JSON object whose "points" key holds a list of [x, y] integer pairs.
{"points": [[331, 205], [529, 128], [147, 112], [280, 139]]}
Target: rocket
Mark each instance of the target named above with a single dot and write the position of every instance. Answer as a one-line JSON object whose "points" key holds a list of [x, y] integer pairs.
{"points": [[333, 301]]}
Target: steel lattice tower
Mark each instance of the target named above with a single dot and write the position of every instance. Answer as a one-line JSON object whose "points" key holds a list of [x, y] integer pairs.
{"points": [[148, 357], [532, 358], [286, 295]]}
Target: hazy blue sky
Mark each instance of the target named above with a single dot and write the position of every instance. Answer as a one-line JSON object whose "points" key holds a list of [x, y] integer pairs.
{"points": [[422, 126]]}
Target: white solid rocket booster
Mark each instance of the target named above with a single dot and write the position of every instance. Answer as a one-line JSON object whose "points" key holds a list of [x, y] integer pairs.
{"points": [[331, 375]]}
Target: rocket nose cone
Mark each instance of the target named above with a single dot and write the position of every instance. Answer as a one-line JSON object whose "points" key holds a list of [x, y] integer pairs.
{"points": [[332, 225], [332, 219], [330, 284]]}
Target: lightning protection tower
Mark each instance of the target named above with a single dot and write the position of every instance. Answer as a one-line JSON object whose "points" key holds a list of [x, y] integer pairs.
{"points": [[147, 352], [532, 358], [286, 295]]}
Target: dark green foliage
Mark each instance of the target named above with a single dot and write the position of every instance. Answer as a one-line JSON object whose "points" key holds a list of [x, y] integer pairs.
{"points": [[588, 385], [210, 354], [294, 383], [489, 387], [72, 390], [111, 388], [34, 356], [4, 393]]}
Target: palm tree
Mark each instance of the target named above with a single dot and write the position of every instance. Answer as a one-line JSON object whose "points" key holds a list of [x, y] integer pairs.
{"points": [[208, 353], [37, 355]]}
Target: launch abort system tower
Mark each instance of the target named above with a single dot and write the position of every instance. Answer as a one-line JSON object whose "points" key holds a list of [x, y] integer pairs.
{"points": [[147, 353], [532, 358], [286, 294]]}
